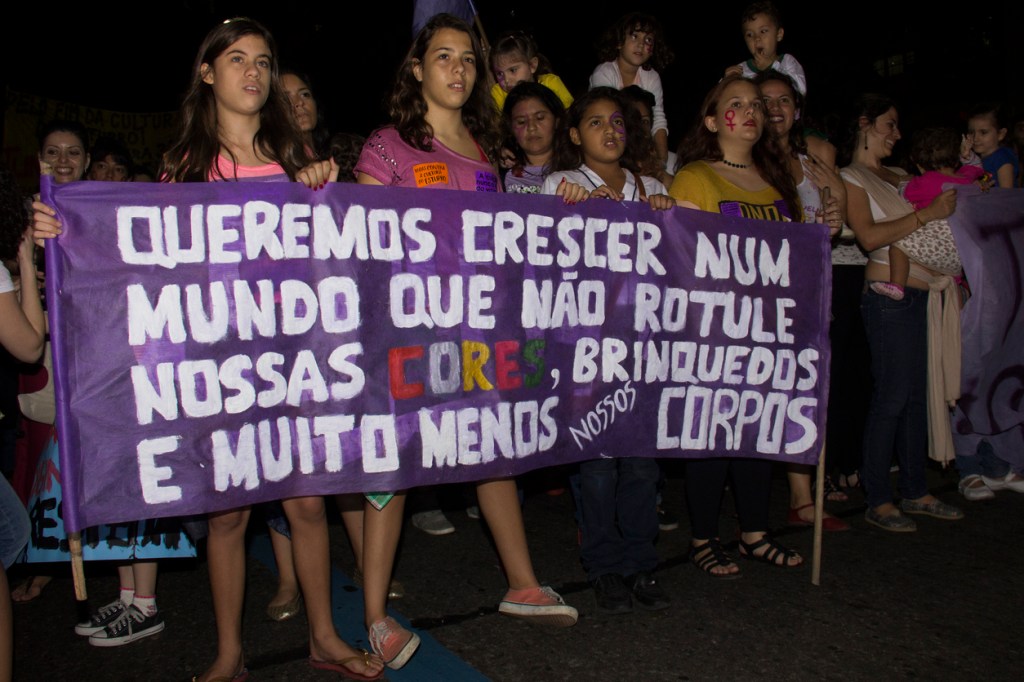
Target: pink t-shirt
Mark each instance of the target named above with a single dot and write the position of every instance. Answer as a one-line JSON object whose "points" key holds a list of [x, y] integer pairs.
{"points": [[923, 189], [389, 160], [226, 170]]}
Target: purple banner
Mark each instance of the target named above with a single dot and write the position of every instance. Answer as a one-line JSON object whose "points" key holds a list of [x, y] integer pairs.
{"points": [[989, 232], [221, 344]]}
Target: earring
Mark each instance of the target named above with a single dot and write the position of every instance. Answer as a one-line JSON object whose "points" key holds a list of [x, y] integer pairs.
{"points": [[865, 140]]}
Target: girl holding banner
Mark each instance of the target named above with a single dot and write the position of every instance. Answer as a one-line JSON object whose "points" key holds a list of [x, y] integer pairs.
{"points": [[731, 166], [601, 151], [445, 136], [235, 125]]}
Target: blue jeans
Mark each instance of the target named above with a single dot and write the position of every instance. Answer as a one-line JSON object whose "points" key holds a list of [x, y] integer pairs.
{"points": [[14, 524], [618, 515], [897, 421]]}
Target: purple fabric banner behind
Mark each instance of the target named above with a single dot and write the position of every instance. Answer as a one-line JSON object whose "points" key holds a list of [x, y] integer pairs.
{"points": [[223, 344], [989, 232]]}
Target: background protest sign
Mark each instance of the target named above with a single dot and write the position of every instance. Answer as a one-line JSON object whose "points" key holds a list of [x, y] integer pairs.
{"points": [[989, 232], [219, 344], [144, 134], [140, 540]]}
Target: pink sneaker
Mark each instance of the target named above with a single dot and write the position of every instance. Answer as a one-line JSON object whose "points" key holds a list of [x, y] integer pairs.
{"points": [[538, 605], [393, 643], [893, 291]]}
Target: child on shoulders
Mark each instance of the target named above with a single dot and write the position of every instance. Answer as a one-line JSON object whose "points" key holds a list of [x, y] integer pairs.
{"points": [[763, 31], [515, 59], [634, 51], [986, 130]]}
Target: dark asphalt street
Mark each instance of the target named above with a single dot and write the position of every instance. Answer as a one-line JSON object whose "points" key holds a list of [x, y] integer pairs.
{"points": [[940, 604]]}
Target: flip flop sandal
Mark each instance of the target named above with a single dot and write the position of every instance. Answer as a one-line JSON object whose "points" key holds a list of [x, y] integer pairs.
{"points": [[341, 667]]}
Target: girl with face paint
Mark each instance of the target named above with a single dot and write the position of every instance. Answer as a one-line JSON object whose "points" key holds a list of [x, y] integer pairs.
{"points": [[597, 156], [515, 59], [592, 157], [530, 121], [731, 166]]}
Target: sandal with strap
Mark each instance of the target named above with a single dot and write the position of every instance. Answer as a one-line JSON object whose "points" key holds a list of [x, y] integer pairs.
{"points": [[774, 553], [241, 676], [710, 556], [834, 493], [849, 481], [342, 667]]}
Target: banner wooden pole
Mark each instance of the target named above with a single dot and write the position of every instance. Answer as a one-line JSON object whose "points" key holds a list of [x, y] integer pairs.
{"points": [[77, 565], [485, 44], [819, 514]]}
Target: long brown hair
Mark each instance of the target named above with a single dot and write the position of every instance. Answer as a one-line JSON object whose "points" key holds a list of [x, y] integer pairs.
{"points": [[569, 155], [193, 156], [700, 144], [611, 41], [796, 134], [408, 108], [520, 93]]}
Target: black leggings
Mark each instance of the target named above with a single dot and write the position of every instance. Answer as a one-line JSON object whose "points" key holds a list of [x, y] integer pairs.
{"points": [[751, 484]]}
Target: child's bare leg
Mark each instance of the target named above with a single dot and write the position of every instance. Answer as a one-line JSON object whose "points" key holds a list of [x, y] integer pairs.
{"points": [[225, 550], [287, 583], [311, 551], [499, 504], [381, 531], [351, 507]]}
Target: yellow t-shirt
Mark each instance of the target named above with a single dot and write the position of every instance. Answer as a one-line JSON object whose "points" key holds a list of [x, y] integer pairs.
{"points": [[548, 80], [699, 184]]}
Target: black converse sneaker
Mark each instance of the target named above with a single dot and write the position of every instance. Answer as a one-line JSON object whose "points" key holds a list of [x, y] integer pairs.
{"points": [[131, 626], [101, 618]]}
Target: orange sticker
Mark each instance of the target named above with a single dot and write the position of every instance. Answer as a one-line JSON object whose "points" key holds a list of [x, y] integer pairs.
{"points": [[430, 174]]}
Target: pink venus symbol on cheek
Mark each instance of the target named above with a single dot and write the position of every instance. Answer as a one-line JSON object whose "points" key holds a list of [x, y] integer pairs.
{"points": [[729, 116]]}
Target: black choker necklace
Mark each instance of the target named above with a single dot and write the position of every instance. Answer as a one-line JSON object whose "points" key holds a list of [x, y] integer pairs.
{"points": [[730, 164]]}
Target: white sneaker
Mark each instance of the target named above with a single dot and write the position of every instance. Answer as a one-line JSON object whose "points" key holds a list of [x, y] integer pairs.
{"points": [[101, 618], [433, 522], [1010, 481], [974, 488]]}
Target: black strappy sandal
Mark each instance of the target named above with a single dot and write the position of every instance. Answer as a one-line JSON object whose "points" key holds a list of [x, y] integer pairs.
{"points": [[774, 554], [711, 555]]}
